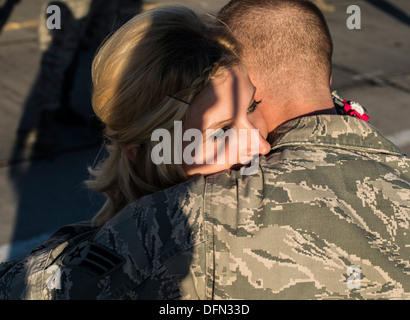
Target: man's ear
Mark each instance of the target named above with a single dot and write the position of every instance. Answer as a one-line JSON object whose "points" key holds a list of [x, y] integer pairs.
{"points": [[132, 151]]}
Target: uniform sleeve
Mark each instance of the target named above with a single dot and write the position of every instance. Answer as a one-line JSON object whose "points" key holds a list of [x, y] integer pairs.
{"points": [[151, 250], [25, 279]]}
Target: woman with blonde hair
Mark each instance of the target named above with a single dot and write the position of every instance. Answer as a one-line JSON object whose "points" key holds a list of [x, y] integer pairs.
{"points": [[164, 67]]}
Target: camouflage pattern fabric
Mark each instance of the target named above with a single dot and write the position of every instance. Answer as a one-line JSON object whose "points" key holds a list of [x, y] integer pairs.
{"points": [[21, 278], [326, 217]]}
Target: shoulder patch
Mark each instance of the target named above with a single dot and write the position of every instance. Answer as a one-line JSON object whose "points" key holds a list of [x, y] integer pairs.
{"points": [[92, 258]]}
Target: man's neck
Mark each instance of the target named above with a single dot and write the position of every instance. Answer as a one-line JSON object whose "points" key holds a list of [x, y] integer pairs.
{"points": [[279, 113]]}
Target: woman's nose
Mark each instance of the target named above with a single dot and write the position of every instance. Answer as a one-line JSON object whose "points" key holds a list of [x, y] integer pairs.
{"points": [[251, 145], [264, 146]]}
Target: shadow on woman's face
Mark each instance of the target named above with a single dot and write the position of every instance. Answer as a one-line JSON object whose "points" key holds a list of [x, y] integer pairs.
{"points": [[231, 126]]}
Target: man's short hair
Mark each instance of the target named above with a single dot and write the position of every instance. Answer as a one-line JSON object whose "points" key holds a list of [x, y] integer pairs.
{"points": [[286, 37]]}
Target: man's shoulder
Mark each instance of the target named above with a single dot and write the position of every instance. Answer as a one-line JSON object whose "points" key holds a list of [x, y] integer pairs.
{"points": [[110, 262], [146, 235], [169, 205]]}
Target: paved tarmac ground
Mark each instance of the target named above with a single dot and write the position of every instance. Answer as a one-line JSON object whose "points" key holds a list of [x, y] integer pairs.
{"points": [[42, 188]]}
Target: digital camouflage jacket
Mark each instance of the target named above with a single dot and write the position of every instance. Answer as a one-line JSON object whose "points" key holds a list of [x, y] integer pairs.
{"points": [[326, 217]]}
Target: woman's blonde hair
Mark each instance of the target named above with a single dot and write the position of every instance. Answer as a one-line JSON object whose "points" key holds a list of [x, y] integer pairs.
{"points": [[144, 77]]}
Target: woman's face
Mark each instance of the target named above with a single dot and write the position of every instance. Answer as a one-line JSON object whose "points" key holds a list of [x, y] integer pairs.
{"points": [[227, 125]]}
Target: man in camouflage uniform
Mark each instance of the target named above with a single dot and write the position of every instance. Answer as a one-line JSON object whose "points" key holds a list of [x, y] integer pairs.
{"points": [[327, 216]]}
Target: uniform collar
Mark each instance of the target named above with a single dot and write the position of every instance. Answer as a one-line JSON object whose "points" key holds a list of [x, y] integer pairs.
{"points": [[337, 131]]}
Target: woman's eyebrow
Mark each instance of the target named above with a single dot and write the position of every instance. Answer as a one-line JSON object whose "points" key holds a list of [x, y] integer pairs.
{"points": [[222, 123]]}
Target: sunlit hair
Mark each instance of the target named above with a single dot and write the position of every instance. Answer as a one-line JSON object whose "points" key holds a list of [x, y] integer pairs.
{"points": [[143, 75]]}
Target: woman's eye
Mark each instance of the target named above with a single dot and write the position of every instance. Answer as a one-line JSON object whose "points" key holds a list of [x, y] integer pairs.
{"points": [[253, 106], [220, 133]]}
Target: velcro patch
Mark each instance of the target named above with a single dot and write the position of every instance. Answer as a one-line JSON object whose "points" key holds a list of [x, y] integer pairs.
{"points": [[93, 258]]}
